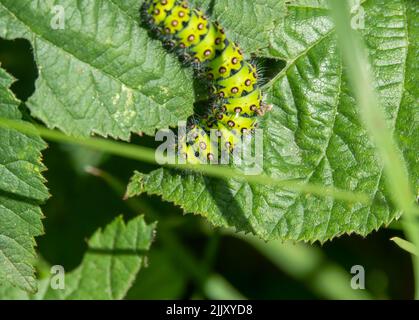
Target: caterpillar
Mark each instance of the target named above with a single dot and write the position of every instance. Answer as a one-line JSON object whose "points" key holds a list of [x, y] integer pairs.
{"points": [[236, 97]]}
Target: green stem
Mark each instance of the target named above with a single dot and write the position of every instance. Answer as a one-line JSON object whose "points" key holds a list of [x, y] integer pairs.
{"points": [[148, 155]]}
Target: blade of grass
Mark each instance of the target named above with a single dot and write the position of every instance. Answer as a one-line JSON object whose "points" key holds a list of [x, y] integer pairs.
{"points": [[406, 245], [148, 155], [397, 179]]}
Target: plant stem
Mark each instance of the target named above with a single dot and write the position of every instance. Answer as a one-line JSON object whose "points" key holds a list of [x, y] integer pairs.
{"points": [[148, 155]]}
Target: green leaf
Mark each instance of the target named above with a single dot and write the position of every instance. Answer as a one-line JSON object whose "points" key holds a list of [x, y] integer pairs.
{"points": [[406, 245], [408, 135], [109, 267], [114, 257], [22, 190], [101, 73], [248, 22], [313, 133]]}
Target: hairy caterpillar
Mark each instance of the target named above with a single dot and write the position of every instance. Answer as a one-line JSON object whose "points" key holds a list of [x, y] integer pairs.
{"points": [[236, 96]]}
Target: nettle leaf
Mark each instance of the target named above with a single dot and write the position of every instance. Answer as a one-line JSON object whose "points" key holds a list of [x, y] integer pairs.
{"points": [[101, 73], [110, 266], [22, 190], [249, 22], [113, 259], [313, 132]]}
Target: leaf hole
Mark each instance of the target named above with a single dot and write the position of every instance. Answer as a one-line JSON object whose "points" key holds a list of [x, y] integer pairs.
{"points": [[16, 57]]}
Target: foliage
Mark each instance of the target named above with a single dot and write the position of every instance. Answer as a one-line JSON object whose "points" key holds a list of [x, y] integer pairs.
{"points": [[114, 257], [22, 190], [104, 74]]}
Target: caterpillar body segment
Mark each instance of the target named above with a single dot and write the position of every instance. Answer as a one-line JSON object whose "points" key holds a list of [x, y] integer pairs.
{"points": [[237, 99]]}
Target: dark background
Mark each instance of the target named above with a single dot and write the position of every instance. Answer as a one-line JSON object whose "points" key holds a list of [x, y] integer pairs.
{"points": [[188, 252]]}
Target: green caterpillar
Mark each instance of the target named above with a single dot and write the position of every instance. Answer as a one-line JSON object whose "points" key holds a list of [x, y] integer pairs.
{"points": [[237, 97]]}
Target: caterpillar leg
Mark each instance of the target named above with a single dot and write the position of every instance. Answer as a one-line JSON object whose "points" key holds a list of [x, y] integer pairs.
{"points": [[264, 108]]}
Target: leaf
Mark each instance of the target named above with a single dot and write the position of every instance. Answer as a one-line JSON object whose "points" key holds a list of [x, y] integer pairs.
{"points": [[111, 263], [101, 73], [22, 190], [109, 267], [408, 135], [313, 133], [249, 22], [405, 245]]}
